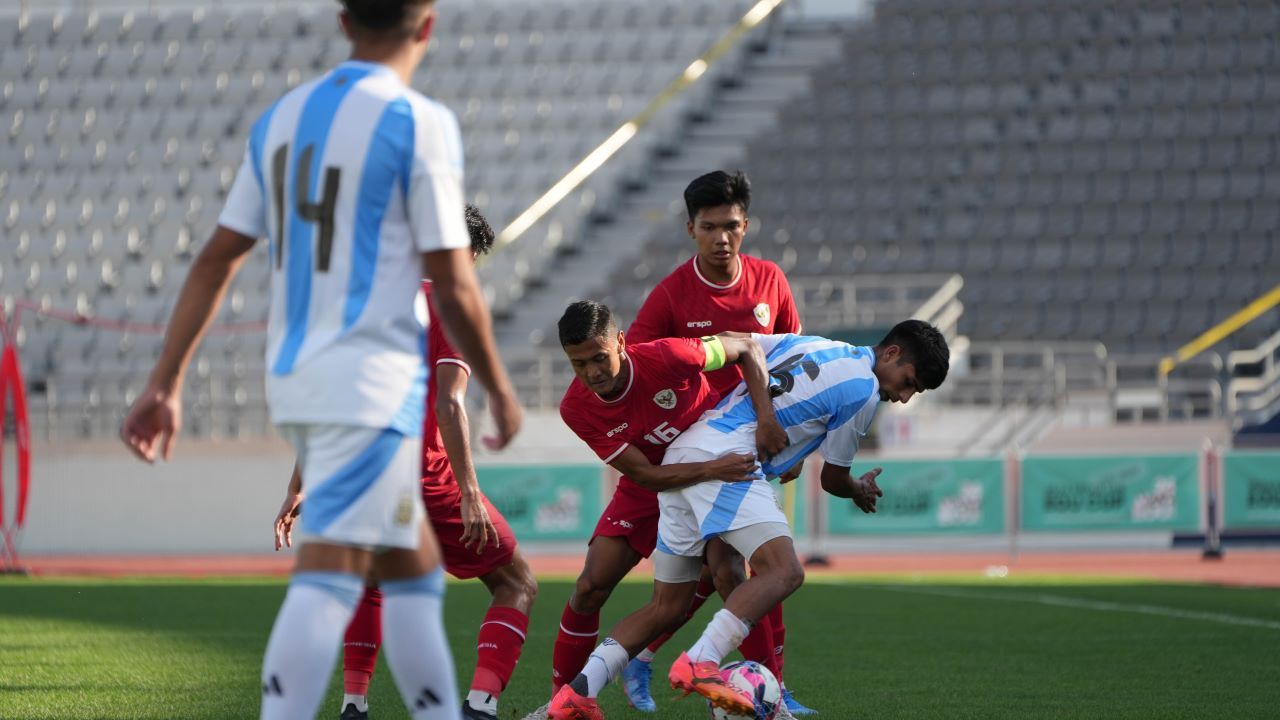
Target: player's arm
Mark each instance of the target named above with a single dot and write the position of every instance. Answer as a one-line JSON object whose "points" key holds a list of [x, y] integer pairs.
{"points": [[839, 481], [451, 415], [745, 351], [730, 468], [289, 510], [156, 416], [466, 319]]}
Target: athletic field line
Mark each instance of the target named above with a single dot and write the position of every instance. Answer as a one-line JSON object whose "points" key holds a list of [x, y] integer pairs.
{"points": [[1082, 604]]}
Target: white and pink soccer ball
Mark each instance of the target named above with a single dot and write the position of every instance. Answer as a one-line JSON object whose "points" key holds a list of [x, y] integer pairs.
{"points": [[755, 681]]}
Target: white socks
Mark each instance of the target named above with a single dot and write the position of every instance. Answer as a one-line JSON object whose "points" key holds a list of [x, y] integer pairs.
{"points": [[305, 641], [605, 663], [360, 701], [482, 701], [723, 635], [646, 655], [413, 640]]}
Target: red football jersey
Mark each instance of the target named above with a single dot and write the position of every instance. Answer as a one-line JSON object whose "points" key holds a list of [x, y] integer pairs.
{"points": [[435, 463], [686, 304], [667, 392]]}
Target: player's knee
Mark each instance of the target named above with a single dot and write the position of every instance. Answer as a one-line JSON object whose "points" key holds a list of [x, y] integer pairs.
{"points": [[727, 576], [589, 596], [528, 585], [792, 575]]}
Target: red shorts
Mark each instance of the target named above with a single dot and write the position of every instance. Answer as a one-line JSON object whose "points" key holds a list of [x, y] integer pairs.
{"points": [[632, 514], [444, 512]]}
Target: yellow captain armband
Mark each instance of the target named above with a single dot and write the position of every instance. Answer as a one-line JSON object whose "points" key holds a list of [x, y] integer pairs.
{"points": [[715, 353]]}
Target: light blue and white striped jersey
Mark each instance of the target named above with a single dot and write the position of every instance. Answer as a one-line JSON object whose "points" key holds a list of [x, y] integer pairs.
{"points": [[350, 177], [825, 397]]}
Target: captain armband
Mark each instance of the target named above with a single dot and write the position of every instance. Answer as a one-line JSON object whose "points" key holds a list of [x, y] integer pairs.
{"points": [[715, 353]]}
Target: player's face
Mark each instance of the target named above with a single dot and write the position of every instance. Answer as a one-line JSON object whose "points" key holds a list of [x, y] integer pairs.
{"points": [[898, 381], [598, 363], [718, 233]]}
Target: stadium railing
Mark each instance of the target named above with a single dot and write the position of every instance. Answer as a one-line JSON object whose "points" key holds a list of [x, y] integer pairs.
{"points": [[1253, 393]]}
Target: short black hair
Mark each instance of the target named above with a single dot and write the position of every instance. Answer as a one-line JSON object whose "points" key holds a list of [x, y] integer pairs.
{"points": [[718, 188], [584, 320], [478, 228], [382, 17], [924, 346]]}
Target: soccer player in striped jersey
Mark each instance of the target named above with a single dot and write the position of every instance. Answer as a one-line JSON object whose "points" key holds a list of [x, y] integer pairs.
{"points": [[825, 394], [719, 290], [355, 180]]}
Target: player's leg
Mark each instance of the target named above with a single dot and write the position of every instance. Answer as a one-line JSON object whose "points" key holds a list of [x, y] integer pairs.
{"points": [[758, 646], [321, 599], [414, 638], [360, 654], [347, 491], [609, 559], [675, 579], [638, 675], [502, 635]]}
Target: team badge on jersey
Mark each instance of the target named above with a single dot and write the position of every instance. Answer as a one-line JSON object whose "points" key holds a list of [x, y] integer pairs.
{"points": [[762, 314], [666, 399], [404, 511]]}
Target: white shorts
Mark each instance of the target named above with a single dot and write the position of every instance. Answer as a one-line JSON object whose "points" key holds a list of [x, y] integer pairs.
{"points": [[363, 485], [695, 514]]}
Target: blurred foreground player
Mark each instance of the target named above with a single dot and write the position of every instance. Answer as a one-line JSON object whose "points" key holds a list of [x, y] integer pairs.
{"points": [[356, 181], [475, 540]]}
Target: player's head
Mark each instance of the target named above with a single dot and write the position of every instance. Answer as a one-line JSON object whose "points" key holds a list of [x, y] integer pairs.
{"points": [[912, 358], [481, 233], [389, 23], [718, 204], [592, 341]]}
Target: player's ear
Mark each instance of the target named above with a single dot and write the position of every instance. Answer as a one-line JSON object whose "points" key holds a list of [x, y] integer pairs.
{"points": [[890, 354], [424, 30], [689, 227], [344, 23], [746, 223], [622, 340]]}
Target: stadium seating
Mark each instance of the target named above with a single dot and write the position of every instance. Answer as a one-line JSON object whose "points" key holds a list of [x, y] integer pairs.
{"points": [[1095, 171], [120, 132]]}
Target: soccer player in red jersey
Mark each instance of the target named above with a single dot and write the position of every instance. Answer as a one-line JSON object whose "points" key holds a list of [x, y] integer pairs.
{"points": [[720, 290], [475, 540], [628, 403]]}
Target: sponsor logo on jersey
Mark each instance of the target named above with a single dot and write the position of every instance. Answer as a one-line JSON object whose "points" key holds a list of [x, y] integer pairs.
{"points": [[616, 430], [666, 399], [702, 323], [762, 314], [623, 523]]}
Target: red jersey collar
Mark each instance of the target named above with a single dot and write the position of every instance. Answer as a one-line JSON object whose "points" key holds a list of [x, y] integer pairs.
{"points": [[742, 264]]}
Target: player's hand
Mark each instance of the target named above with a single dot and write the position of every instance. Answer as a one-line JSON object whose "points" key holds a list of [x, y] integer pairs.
{"points": [[152, 423], [286, 518], [771, 439], [796, 471], [507, 416], [734, 467], [865, 491], [477, 526]]}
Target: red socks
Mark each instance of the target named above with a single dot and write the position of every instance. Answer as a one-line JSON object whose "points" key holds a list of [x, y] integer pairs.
{"points": [[779, 638], [360, 646], [498, 648], [574, 643], [759, 643]]}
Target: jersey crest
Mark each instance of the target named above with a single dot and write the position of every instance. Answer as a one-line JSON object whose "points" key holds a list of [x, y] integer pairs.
{"points": [[762, 314], [665, 399]]}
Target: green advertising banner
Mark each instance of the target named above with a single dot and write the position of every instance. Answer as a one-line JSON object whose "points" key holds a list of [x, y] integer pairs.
{"points": [[545, 502], [1251, 490], [1122, 492], [926, 496]]}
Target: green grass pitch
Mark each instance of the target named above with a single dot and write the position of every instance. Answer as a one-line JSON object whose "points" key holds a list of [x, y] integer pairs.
{"points": [[72, 649]]}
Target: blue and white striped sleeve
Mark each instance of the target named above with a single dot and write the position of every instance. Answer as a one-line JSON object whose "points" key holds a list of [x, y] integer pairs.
{"points": [[849, 423]]}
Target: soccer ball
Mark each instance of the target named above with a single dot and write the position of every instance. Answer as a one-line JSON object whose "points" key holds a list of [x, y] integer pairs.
{"points": [[757, 682]]}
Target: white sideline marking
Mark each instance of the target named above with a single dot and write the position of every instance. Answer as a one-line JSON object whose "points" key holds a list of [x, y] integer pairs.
{"points": [[1080, 604]]}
